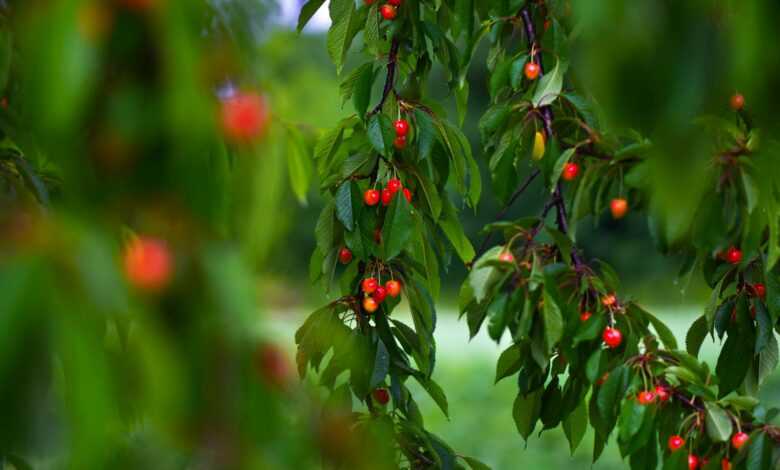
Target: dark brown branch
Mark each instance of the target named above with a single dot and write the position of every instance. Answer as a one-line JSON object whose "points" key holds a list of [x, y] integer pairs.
{"points": [[392, 59]]}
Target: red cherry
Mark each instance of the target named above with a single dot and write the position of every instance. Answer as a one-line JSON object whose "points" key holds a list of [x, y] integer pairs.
{"points": [[400, 142], [244, 116], [394, 185], [570, 171], [739, 439], [725, 464], [396, 3], [368, 2], [619, 207], [393, 288], [387, 197], [148, 264], [737, 101], [675, 443], [408, 194], [612, 337], [389, 12], [380, 294], [532, 70], [381, 396], [401, 127], [759, 290], [693, 462], [646, 397], [662, 392], [734, 255], [585, 316], [370, 305], [371, 197], [369, 285], [345, 256]]}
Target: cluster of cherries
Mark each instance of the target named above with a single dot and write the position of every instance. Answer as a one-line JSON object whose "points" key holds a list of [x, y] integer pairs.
{"points": [[401, 131], [611, 336], [372, 196], [738, 440], [389, 10], [375, 293]]}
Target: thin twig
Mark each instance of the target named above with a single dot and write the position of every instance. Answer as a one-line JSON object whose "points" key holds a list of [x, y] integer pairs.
{"points": [[392, 59]]}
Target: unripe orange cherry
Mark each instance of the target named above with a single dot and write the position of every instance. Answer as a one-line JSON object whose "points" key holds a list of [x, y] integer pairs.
{"points": [[370, 305], [148, 263], [618, 207], [389, 12], [737, 101], [506, 257], [345, 255], [393, 288], [570, 171], [371, 197], [612, 337], [676, 443], [532, 70], [609, 300], [646, 397], [739, 439], [244, 116], [369, 285]]}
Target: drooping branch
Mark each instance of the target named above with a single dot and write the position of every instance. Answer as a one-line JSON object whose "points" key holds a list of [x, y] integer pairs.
{"points": [[392, 59]]}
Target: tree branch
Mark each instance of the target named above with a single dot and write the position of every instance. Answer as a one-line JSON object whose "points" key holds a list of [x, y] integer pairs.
{"points": [[392, 59]]}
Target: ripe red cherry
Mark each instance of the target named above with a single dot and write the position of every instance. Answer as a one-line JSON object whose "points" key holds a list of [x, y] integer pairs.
{"points": [[380, 294], [394, 185], [381, 396], [387, 196], [506, 257], [368, 2], [739, 439], [675, 443], [618, 207], [725, 464], [400, 142], [345, 256], [370, 305], [532, 70], [371, 197], [401, 127], [646, 397], [389, 12], [148, 264], [759, 290], [612, 337], [407, 194], [662, 393], [693, 462], [393, 288], [369, 285], [734, 255], [585, 316], [396, 3], [244, 116], [737, 101], [570, 171]]}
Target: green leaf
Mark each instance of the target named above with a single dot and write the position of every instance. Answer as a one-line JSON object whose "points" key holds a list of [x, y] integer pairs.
{"points": [[767, 360], [664, 333], [494, 118], [299, 163], [474, 464], [759, 453], [509, 362], [361, 95], [435, 392], [425, 133], [324, 230], [751, 191], [379, 134], [632, 415], [575, 425], [696, 335], [452, 228], [381, 365], [525, 412], [764, 326], [341, 34], [344, 205], [553, 320], [371, 32], [307, 12], [398, 227], [718, 424], [550, 85], [731, 367], [517, 71]]}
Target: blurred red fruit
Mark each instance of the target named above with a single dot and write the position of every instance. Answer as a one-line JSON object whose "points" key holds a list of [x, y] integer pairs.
{"points": [[739, 439], [380, 294], [389, 12], [371, 197], [369, 285], [244, 116], [394, 185], [345, 256], [401, 127], [370, 304], [570, 171], [585, 316], [646, 397], [612, 337], [148, 264], [273, 365], [381, 396], [737, 101], [675, 443], [393, 288], [734, 255]]}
